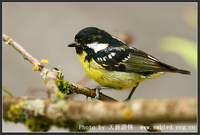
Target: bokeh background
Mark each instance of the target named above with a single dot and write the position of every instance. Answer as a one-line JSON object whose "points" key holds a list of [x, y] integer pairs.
{"points": [[45, 30]]}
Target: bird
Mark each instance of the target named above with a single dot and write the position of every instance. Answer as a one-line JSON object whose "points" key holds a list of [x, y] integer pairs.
{"points": [[113, 64]]}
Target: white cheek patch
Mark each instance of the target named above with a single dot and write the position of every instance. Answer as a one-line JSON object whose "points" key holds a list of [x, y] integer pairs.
{"points": [[97, 46]]}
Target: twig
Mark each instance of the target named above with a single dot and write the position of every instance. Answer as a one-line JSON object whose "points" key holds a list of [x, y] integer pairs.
{"points": [[20, 49], [82, 81], [51, 86], [89, 92], [50, 75]]}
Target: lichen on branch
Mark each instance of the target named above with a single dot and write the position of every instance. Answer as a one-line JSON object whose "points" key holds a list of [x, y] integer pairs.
{"points": [[69, 113]]}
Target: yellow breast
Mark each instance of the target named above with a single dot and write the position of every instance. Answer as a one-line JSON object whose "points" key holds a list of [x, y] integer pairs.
{"points": [[116, 79]]}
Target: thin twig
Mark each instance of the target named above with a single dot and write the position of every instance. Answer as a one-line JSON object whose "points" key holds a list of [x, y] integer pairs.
{"points": [[89, 92], [20, 49], [52, 90]]}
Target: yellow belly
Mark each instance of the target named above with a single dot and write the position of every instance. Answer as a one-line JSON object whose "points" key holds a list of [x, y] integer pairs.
{"points": [[116, 79]]}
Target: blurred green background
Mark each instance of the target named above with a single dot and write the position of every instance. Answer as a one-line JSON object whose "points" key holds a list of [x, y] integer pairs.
{"points": [[164, 30]]}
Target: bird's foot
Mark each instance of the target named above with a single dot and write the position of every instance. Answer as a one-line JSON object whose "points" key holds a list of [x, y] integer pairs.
{"points": [[98, 88]]}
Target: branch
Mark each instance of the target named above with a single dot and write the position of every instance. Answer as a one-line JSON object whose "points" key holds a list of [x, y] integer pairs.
{"points": [[51, 85], [51, 75], [65, 113], [20, 49], [89, 92]]}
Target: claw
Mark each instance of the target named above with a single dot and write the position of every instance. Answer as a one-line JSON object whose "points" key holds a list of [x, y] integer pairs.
{"points": [[98, 88], [97, 92]]}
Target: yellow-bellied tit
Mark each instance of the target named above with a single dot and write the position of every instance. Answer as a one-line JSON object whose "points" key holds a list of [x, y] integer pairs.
{"points": [[113, 64]]}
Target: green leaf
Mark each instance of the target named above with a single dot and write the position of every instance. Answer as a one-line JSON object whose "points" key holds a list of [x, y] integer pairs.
{"points": [[6, 91], [184, 48]]}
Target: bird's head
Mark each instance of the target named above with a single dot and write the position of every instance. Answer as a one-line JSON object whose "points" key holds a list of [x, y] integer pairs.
{"points": [[93, 38]]}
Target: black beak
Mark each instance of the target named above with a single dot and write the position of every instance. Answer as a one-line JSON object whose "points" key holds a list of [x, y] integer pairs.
{"points": [[74, 44]]}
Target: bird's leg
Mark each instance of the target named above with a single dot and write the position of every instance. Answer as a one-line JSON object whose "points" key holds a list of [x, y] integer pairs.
{"points": [[98, 88], [131, 93]]}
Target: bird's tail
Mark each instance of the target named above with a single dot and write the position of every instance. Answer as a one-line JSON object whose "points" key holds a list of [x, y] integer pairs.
{"points": [[181, 71], [174, 69]]}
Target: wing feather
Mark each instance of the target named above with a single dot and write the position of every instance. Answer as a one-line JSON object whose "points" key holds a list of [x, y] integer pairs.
{"points": [[129, 59]]}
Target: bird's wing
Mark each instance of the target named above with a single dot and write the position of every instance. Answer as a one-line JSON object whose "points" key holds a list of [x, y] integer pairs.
{"points": [[129, 59]]}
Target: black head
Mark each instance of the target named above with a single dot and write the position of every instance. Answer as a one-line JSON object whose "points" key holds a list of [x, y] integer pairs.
{"points": [[92, 34], [92, 40]]}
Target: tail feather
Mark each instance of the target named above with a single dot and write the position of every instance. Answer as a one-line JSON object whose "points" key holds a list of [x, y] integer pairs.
{"points": [[174, 69], [183, 71]]}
